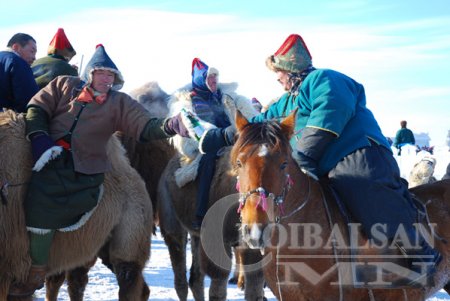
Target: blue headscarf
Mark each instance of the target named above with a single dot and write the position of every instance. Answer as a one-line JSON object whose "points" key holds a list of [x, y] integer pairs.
{"points": [[200, 72]]}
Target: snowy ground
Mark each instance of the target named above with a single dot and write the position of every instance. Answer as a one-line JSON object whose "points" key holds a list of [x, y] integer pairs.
{"points": [[158, 273]]}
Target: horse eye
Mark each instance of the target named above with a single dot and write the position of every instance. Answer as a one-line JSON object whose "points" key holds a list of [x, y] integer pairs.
{"points": [[238, 163], [283, 165]]}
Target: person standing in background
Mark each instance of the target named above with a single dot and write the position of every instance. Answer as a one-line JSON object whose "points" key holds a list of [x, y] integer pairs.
{"points": [[403, 136]]}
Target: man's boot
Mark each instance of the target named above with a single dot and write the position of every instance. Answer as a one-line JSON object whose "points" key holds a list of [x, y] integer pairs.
{"points": [[424, 261], [35, 280]]}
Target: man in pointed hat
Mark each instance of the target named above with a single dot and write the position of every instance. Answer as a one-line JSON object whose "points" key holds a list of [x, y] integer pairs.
{"points": [[56, 63], [17, 84], [69, 123], [338, 137]]}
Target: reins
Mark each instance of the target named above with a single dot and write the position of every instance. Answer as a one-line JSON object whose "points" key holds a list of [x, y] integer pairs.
{"points": [[333, 241]]}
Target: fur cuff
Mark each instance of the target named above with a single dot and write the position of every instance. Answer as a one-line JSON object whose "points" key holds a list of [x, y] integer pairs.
{"points": [[200, 143], [48, 155]]}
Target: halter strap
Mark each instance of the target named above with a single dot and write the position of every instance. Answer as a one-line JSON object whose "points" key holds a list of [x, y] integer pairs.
{"points": [[278, 200]]}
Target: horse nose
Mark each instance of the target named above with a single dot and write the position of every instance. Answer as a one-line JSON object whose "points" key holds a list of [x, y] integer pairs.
{"points": [[245, 231], [252, 235]]}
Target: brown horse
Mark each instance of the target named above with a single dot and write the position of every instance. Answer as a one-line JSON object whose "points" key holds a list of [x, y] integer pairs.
{"points": [[294, 222], [121, 223], [176, 210]]}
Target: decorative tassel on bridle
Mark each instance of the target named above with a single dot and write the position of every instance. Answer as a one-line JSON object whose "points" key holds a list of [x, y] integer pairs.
{"points": [[262, 199]]}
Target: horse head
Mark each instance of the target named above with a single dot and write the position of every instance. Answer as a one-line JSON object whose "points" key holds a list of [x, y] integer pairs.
{"points": [[261, 157]]}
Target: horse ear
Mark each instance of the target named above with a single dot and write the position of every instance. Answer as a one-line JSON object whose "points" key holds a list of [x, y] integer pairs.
{"points": [[241, 121], [288, 124]]}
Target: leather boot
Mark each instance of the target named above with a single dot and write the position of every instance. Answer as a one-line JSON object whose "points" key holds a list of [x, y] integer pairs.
{"points": [[35, 280], [425, 262]]}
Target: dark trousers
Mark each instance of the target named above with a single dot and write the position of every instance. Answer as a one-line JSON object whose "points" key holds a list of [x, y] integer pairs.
{"points": [[368, 182], [206, 169]]}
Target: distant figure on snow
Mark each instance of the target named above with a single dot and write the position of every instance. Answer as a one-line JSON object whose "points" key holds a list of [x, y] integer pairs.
{"points": [[403, 136]]}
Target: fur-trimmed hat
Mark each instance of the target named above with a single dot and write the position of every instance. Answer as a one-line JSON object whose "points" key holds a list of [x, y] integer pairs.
{"points": [[293, 56], [200, 71], [101, 61], [60, 45]]}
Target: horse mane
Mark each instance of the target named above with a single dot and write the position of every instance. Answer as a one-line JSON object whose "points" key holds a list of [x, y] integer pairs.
{"points": [[269, 132]]}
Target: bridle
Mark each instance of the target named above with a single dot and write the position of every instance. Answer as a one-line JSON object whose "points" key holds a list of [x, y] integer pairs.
{"points": [[264, 196]]}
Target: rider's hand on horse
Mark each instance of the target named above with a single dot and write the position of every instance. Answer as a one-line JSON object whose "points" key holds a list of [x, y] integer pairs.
{"points": [[174, 125], [43, 149], [311, 147], [307, 165]]}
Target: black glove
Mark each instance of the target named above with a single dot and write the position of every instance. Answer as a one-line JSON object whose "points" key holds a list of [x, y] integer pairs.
{"points": [[174, 125], [311, 148], [214, 139], [308, 165], [43, 149]]}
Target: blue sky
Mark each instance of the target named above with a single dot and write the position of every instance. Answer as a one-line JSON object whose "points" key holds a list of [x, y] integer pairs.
{"points": [[399, 50]]}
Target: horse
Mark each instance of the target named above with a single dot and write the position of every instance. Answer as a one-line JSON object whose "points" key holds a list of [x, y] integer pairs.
{"points": [[149, 160], [176, 210], [305, 239], [121, 223]]}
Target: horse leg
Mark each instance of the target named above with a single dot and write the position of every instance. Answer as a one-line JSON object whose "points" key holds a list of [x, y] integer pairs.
{"points": [[176, 243], [218, 275], [254, 280], [238, 275], [52, 285], [77, 279], [241, 277], [196, 277], [131, 282]]}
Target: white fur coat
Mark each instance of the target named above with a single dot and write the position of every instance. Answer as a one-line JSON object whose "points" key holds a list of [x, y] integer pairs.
{"points": [[188, 147]]}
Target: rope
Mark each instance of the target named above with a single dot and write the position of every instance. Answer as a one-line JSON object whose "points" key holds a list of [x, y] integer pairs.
{"points": [[302, 205], [371, 296], [277, 275], [427, 218], [336, 258], [4, 191]]}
